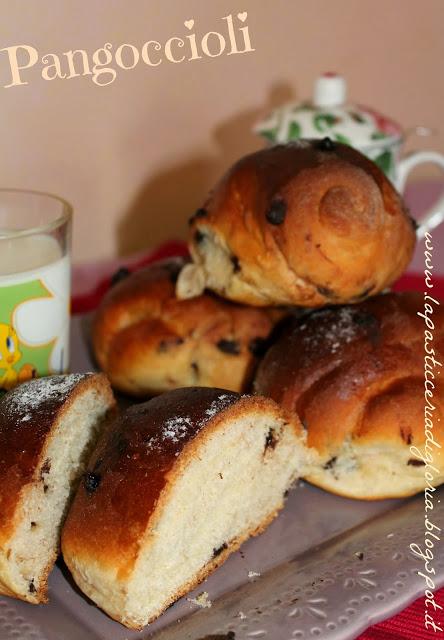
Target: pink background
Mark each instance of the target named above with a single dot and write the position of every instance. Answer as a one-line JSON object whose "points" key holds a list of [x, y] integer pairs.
{"points": [[138, 156]]}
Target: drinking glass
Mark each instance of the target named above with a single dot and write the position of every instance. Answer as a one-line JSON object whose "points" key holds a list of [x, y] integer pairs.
{"points": [[35, 284]]}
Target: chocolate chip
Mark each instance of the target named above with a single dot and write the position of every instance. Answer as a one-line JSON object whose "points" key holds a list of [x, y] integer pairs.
{"points": [[406, 436], [235, 263], [164, 345], [414, 462], [270, 440], [218, 551], [45, 488], [330, 464], [119, 275], [326, 292], [200, 213], [199, 236], [326, 144], [359, 555], [258, 346], [46, 468], [31, 587], [276, 212], [229, 346], [195, 368], [33, 524], [91, 481]]}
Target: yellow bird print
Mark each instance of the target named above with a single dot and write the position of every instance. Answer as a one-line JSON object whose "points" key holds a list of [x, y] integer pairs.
{"points": [[10, 354]]}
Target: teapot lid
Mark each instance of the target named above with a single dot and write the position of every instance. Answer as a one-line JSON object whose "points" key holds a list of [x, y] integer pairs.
{"points": [[328, 114]]}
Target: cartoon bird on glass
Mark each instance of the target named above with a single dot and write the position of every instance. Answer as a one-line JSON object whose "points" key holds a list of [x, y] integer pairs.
{"points": [[10, 354]]}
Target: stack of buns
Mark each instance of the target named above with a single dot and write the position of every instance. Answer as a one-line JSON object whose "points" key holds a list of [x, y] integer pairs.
{"points": [[284, 294], [311, 228]]}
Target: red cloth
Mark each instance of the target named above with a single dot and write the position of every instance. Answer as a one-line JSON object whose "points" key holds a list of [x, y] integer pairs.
{"points": [[407, 625]]}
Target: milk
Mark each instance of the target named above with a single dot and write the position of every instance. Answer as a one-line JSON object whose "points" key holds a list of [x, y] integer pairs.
{"points": [[35, 303]]}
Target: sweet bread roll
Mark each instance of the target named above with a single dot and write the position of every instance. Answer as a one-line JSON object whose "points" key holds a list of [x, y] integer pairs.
{"points": [[174, 487], [310, 223], [47, 429], [356, 377], [148, 341]]}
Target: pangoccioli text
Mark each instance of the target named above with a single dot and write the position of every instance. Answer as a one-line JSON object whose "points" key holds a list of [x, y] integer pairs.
{"points": [[103, 64]]}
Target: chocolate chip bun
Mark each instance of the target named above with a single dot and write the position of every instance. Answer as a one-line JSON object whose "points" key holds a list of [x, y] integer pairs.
{"points": [[47, 429], [175, 486], [356, 377], [148, 341], [310, 223]]}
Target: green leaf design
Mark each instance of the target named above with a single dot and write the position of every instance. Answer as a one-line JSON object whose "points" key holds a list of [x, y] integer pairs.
{"points": [[294, 131], [384, 161], [357, 117], [339, 137], [269, 134], [322, 121], [378, 135]]}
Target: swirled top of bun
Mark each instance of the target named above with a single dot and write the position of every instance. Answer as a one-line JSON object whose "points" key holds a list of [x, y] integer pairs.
{"points": [[308, 223]]}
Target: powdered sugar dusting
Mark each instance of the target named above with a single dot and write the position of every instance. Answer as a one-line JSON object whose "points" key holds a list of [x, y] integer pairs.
{"points": [[178, 428], [28, 397], [341, 329], [218, 405]]}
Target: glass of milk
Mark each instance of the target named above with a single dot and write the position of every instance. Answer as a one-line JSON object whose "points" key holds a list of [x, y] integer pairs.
{"points": [[35, 240]]}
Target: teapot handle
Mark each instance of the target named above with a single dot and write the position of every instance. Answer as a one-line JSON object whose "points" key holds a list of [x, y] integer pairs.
{"points": [[435, 215]]}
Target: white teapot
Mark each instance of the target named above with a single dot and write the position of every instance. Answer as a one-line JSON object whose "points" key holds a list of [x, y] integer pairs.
{"points": [[329, 115]]}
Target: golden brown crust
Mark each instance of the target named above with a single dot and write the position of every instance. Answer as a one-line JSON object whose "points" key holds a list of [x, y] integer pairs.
{"points": [[135, 463], [148, 341], [304, 224], [355, 376]]}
